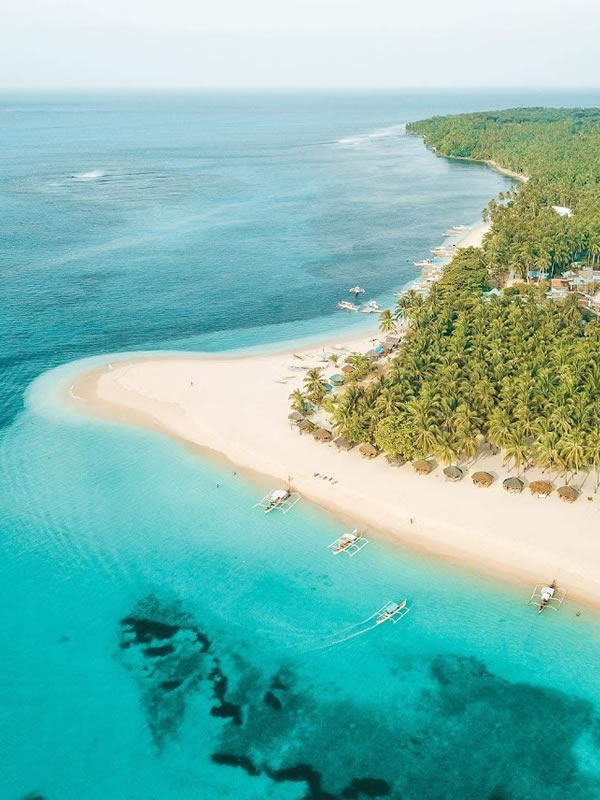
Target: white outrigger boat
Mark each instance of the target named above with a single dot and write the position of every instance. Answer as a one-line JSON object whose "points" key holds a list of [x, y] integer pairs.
{"points": [[281, 499], [351, 543], [346, 305], [356, 290], [392, 611], [426, 262], [547, 597], [371, 307]]}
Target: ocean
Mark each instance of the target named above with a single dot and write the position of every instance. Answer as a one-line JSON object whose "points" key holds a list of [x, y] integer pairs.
{"points": [[161, 638]]}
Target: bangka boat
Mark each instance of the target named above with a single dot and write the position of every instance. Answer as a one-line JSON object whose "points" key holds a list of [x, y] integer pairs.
{"points": [[356, 290], [371, 307], [346, 305], [426, 262], [350, 543], [280, 499], [393, 611], [547, 597]]}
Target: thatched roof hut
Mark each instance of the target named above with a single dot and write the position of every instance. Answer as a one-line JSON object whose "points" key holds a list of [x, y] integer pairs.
{"points": [[540, 488], [422, 466], [347, 369], [395, 461], [322, 435], [372, 355], [295, 416], [483, 479], [568, 494], [306, 426], [368, 451], [343, 444], [513, 485], [453, 473]]}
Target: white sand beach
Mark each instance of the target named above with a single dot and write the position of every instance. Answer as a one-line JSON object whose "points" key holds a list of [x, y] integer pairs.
{"points": [[238, 407]]}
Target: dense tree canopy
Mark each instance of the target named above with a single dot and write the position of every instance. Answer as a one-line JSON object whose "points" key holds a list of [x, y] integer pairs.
{"points": [[559, 151], [516, 370]]}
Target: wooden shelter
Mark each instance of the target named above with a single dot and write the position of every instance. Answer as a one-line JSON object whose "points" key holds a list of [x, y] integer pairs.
{"points": [[306, 426], [453, 473], [568, 494], [540, 488], [343, 444], [347, 369], [483, 479], [422, 466], [513, 485], [395, 461], [368, 451], [295, 416], [322, 435]]}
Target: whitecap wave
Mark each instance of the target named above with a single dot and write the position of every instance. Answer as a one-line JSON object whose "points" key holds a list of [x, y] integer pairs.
{"points": [[92, 175], [367, 138]]}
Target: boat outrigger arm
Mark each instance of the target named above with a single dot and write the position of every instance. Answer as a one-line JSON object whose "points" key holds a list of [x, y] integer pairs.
{"points": [[547, 597], [350, 543], [281, 499]]}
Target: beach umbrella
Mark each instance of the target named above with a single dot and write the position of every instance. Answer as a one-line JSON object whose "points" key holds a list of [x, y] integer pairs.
{"points": [[513, 485], [336, 379], [540, 488], [322, 435], [568, 494], [453, 473], [483, 479], [422, 466], [295, 416], [343, 444], [367, 450]]}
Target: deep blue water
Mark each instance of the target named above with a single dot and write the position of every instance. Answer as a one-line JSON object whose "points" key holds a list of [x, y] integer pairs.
{"points": [[215, 221]]}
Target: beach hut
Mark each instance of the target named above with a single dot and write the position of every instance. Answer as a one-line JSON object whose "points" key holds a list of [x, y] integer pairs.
{"points": [[483, 479], [395, 461], [343, 444], [306, 426], [392, 341], [322, 435], [453, 473], [372, 355], [513, 485], [295, 416], [540, 488], [367, 450], [568, 494], [347, 369], [422, 466], [336, 380]]}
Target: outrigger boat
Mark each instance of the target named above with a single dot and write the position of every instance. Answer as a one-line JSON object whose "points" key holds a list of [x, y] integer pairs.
{"points": [[393, 611], [426, 262], [351, 543], [356, 290], [547, 597], [371, 307], [280, 499], [346, 305]]}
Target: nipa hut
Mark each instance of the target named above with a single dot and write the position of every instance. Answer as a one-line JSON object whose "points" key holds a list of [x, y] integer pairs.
{"points": [[540, 488], [306, 426], [483, 479], [513, 485], [422, 466], [347, 369], [343, 444], [295, 416], [367, 450], [453, 473], [568, 494], [322, 435], [395, 461]]}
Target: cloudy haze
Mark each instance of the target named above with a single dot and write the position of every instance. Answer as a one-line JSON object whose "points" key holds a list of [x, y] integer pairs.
{"points": [[313, 43]]}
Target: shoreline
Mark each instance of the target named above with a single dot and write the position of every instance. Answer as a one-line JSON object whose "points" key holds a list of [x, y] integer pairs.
{"points": [[233, 408]]}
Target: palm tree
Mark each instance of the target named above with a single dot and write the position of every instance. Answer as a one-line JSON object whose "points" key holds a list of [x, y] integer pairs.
{"points": [[592, 454], [313, 381], [387, 322], [298, 401]]}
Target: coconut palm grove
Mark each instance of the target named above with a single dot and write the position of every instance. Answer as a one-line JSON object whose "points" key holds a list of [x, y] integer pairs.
{"points": [[515, 369]]}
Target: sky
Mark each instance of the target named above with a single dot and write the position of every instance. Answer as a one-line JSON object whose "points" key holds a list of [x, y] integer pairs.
{"points": [[298, 43]]}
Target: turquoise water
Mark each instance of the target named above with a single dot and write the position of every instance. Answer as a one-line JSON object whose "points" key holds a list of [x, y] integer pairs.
{"points": [[227, 678]]}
